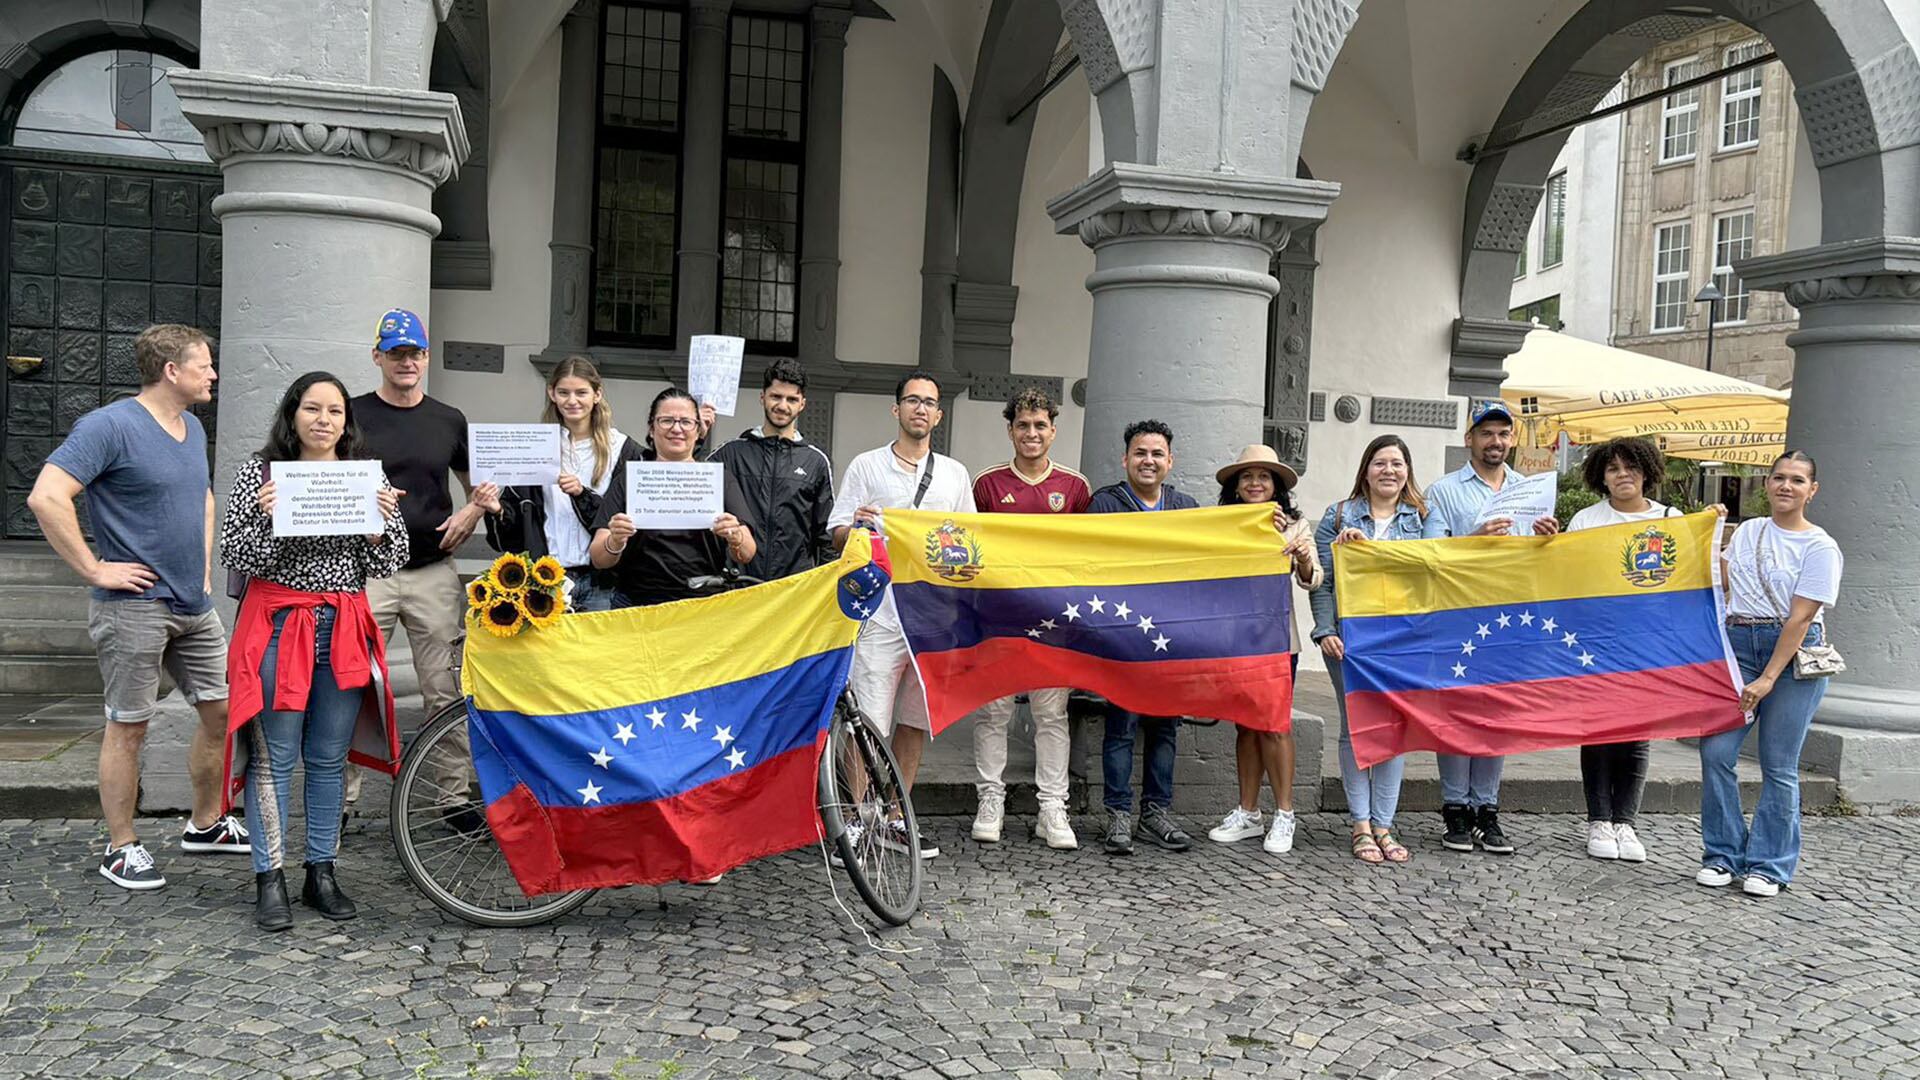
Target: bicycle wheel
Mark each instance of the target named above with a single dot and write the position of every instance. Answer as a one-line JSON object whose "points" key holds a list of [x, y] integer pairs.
{"points": [[446, 848], [863, 804]]}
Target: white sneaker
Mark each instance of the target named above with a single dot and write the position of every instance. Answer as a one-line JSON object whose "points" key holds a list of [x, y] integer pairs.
{"points": [[992, 813], [1713, 877], [1279, 839], [1053, 827], [1631, 849], [714, 880], [1602, 843], [1755, 885], [1238, 825]]}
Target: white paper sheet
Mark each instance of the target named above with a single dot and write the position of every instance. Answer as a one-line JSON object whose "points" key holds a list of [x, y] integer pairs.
{"points": [[713, 370], [1525, 499], [327, 498], [675, 494], [513, 453]]}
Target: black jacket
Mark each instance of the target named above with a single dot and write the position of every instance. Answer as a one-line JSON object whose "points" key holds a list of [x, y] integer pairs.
{"points": [[788, 484], [1118, 499], [521, 524]]}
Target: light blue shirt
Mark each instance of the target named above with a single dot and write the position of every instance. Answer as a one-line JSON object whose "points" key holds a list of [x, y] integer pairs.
{"points": [[1458, 497]]}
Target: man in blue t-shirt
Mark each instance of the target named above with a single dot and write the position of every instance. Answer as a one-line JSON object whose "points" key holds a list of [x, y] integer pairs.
{"points": [[142, 464]]}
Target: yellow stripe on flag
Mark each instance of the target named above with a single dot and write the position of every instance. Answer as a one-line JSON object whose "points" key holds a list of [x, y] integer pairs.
{"points": [[1012, 551], [1411, 577], [608, 659]]}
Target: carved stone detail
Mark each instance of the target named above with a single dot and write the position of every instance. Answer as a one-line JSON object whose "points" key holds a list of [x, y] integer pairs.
{"points": [[1854, 287], [1346, 408], [1319, 29], [1112, 37], [1669, 27], [1869, 110], [230, 140], [1219, 224], [1509, 213], [1752, 11]]}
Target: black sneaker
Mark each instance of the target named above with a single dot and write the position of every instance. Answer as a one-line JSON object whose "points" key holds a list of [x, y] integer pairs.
{"points": [[130, 867], [1486, 829], [467, 820], [1119, 832], [1459, 834], [1157, 825], [894, 838], [226, 834]]}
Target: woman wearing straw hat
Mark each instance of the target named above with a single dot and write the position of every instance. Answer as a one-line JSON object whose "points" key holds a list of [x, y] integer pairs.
{"points": [[1258, 476]]}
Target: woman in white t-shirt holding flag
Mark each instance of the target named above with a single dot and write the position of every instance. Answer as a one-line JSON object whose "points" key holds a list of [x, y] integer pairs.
{"points": [[1783, 572], [1615, 774]]}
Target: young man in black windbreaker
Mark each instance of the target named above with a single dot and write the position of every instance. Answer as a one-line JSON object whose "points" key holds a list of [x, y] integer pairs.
{"points": [[787, 481]]}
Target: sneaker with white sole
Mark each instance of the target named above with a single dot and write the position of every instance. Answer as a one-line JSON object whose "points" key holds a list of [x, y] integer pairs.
{"points": [[1239, 824], [1631, 849], [1053, 827], [1755, 885], [894, 838], [1713, 877], [1279, 839], [990, 817], [1601, 842], [131, 867], [855, 830], [226, 834]]}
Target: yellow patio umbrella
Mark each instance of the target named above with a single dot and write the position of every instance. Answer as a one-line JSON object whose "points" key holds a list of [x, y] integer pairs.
{"points": [[1594, 392]]}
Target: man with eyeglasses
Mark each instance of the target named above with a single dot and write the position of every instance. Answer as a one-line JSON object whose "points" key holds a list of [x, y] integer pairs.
{"points": [[904, 473]]}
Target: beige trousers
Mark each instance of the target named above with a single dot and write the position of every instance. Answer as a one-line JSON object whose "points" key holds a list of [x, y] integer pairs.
{"points": [[1052, 744], [430, 603]]}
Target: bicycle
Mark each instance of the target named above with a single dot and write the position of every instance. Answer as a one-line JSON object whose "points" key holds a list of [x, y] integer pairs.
{"points": [[448, 852]]}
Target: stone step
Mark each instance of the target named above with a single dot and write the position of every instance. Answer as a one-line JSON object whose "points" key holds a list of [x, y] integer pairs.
{"points": [[26, 562], [54, 603], [71, 675], [44, 637]]}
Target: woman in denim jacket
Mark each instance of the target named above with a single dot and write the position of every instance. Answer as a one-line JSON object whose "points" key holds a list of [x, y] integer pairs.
{"points": [[1385, 505]]}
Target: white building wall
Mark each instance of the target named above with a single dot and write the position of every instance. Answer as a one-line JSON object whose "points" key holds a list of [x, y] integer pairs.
{"points": [[1583, 280]]}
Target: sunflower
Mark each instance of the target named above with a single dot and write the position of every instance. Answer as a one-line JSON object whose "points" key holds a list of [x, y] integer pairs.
{"points": [[479, 593], [510, 573], [543, 608], [503, 618], [548, 572]]}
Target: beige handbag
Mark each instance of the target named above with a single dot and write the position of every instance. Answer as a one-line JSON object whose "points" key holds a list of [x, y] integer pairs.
{"points": [[1810, 661]]}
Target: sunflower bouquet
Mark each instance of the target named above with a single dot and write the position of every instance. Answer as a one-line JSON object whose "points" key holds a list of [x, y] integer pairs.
{"points": [[516, 592]]}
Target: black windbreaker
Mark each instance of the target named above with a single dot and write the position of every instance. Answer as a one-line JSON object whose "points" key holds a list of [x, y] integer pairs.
{"points": [[789, 485]]}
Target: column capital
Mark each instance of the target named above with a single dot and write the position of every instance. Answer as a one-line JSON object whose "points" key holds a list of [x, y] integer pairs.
{"points": [[830, 22], [1879, 268], [1477, 362], [1129, 200]]}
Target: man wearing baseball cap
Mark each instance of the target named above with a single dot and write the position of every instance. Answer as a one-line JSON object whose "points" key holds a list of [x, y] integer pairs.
{"points": [[419, 441], [1470, 786]]}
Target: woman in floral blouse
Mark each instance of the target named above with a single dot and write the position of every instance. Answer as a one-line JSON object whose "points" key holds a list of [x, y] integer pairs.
{"points": [[307, 669]]}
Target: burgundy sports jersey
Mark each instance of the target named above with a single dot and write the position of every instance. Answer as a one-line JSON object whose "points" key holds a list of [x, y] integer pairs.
{"points": [[1002, 490]]}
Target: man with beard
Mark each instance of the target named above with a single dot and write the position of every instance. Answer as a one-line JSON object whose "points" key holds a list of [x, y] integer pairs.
{"points": [[1470, 786], [786, 480]]}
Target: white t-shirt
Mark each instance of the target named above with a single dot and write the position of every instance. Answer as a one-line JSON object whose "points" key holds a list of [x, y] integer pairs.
{"points": [[1806, 563], [1602, 513], [876, 477], [567, 539]]}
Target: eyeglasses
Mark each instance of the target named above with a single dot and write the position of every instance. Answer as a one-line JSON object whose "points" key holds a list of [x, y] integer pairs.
{"points": [[677, 423], [915, 401]]}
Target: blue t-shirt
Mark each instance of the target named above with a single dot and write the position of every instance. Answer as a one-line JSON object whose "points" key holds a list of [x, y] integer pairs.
{"points": [[147, 497]]}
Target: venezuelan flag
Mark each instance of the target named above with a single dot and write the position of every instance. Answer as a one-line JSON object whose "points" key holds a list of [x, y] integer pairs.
{"points": [[1500, 645], [1175, 613], [665, 743]]}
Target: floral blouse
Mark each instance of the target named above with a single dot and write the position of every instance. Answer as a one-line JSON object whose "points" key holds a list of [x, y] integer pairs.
{"points": [[307, 563]]}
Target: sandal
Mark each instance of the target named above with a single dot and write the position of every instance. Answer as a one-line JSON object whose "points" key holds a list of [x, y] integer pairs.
{"points": [[1392, 849], [1366, 849]]}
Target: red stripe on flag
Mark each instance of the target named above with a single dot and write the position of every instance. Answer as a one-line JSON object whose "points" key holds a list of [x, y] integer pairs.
{"points": [[1515, 718], [748, 815], [1252, 691]]}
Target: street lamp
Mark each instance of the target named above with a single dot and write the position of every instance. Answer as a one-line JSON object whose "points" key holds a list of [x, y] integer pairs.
{"points": [[1710, 296]]}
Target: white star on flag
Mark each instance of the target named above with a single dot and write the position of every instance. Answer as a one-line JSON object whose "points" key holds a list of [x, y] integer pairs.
{"points": [[1049, 624], [1505, 620], [1548, 625], [1467, 647], [1586, 658], [602, 758], [625, 734], [1483, 631], [1123, 611], [723, 736], [690, 721], [659, 718], [1161, 642], [1033, 631], [736, 757], [1146, 625], [1526, 618], [1097, 605], [1570, 640], [1459, 671], [589, 794], [1072, 612]]}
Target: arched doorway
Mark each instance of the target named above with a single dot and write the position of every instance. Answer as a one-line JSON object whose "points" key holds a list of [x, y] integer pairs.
{"points": [[105, 207]]}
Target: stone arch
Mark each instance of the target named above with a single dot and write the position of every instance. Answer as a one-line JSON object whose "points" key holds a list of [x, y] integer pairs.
{"points": [[1857, 81], [40, 35]]}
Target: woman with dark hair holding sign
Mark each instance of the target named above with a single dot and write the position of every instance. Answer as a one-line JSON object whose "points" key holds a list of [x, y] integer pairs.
{"points": [[307, 665]]}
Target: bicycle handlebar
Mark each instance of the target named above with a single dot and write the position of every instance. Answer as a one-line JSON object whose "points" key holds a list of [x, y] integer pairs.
{"points": [[731, 579]]}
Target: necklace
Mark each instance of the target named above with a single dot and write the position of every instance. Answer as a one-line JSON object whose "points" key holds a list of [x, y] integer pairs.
{"points": [[907, 461]]}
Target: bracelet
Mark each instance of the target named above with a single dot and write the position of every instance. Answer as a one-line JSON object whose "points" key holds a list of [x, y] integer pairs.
{"points": [[611, 550]]}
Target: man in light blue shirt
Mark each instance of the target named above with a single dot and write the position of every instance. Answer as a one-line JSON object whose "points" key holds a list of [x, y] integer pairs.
{"points": [[1470, 786]]}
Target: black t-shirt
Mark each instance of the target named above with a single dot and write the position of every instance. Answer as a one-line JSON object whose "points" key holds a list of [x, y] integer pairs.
{"points": [[417, 447], [656, 564]]}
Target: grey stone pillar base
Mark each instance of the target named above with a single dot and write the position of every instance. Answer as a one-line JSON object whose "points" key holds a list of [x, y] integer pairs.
{"points": [[1180, 294], [1477, 365], [1856, 394]]}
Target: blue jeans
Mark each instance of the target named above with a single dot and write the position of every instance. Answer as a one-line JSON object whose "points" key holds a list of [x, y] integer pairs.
{"points": [[318, 738], [1116, 754], [1771, 848], [1474, 781], [1372, 794], [588, 595]]}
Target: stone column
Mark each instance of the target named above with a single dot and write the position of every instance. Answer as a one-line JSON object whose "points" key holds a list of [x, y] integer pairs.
{"points": [[939, 248], [572, 242], [702, 158], [820, 208], [1856, 394], [1180, 293]]}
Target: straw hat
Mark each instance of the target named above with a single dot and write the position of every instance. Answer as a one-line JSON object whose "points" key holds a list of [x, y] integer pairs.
{"points": [[1261, 456]]}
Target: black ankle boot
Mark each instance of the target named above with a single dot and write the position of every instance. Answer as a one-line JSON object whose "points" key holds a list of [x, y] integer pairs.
{"points": [[271, 909], [323, 894]]}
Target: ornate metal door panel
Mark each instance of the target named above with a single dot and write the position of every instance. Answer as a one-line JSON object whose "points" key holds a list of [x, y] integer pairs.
{"points": [[96, 253]]}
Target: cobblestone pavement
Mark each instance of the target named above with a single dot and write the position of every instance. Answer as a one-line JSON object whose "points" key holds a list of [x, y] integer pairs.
{"points": [[1218, 962]]}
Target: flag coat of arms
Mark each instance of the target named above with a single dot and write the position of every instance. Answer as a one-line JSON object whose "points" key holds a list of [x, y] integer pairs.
{"points": [[1178, 613], [1499, 645], [665, 743]]}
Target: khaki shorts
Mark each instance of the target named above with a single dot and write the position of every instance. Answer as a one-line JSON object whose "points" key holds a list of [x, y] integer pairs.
{"points": [[137, 638], [885, 683]]}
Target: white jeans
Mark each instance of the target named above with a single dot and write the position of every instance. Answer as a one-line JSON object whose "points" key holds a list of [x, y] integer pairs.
{"points": [[884, 682], [1052, 744]]}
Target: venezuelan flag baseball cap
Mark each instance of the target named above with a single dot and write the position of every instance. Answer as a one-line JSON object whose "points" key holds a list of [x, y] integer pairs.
{"points": [[400, 328]]}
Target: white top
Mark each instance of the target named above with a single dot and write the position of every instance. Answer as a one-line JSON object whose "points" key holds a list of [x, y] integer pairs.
{"points": [[1602, 513], [567, 539], [1767, 567], [878, 478], [1380, 527]]}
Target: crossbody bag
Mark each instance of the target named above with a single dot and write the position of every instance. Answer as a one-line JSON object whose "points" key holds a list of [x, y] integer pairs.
{"points": [[1809, 661]]}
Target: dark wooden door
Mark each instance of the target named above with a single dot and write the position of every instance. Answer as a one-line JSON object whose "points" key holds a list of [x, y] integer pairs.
{"points": [[97, 251]]}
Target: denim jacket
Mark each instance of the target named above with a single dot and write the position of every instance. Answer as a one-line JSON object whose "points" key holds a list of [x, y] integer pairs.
{"points": [[1408, 524]]}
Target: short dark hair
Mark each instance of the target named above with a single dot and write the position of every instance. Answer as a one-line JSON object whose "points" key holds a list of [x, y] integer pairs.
{"points": [[916, 375], [787, 370], [1639, 455], [162, 344], [1146, 427], [1031, 399], [1813, 470]]}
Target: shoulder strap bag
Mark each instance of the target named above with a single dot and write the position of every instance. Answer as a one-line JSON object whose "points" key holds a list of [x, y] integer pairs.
{"points": [[1810, 661]]}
